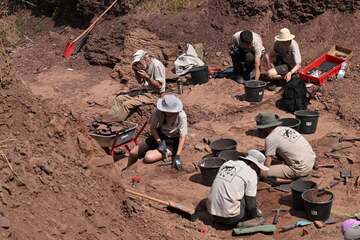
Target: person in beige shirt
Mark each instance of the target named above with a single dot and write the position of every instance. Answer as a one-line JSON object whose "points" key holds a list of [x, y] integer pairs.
{"points": [[246, 53], [287, 145], [285, 56], [150, 73], [168, 128]]}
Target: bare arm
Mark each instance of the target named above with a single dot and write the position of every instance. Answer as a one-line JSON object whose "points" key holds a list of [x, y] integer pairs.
{"points": [[268, 161], [156, 84], [292, 71], [155, 134], [268, 62], [181, 144], [257, 67]]}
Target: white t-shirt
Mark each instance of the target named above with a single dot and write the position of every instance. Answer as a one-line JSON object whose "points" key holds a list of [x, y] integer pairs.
{"points": [[256, 43], [234, 180], [156, 71], [170, 129], [291, 55], [292, 147]]}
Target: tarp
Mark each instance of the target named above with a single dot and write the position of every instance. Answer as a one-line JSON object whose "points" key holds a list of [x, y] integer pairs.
{"points": [[187, 60]]}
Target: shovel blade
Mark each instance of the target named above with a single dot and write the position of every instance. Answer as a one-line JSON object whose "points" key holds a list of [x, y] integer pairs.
{"points": [[69, 49]]}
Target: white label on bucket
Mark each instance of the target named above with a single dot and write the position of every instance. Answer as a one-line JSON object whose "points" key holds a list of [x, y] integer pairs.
{"points": [[261, 93], [313, 212], [308, 124]]}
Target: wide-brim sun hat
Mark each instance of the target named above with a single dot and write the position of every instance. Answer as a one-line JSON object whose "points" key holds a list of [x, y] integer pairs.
{"points": [[256, 157], [170, 104], [138, 55], [284, 35], [267, 120]]}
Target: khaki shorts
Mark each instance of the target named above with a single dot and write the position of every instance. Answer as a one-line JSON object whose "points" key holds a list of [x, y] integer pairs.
{"points": [[284, 171], [124, 104]]}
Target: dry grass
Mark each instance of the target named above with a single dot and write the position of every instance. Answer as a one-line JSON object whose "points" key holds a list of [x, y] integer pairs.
{"points": [[158, 6], [5, 68], [11, 30]]}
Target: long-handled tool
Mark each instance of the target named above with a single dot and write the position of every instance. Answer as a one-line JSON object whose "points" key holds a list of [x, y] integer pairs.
{"points": [[300, 223], [170, 204], [75, 45]]}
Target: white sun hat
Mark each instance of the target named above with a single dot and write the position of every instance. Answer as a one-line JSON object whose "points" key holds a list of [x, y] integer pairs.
{"points": [[256, 157], [284, 35], [170, 104], [138, 55]]}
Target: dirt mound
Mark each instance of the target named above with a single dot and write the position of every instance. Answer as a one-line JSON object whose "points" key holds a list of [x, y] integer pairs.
{"points": [[295, 11], [105, 44]]}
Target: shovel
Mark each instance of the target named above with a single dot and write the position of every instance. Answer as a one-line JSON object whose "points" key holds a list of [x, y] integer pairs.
{"points": [[176, 207], [76, 44], [300, 223]]}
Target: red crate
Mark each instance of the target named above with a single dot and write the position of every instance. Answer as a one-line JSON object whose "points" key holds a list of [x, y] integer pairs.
{"points": [[317, 62]]}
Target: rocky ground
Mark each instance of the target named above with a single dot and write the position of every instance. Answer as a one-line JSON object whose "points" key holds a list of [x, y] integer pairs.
{"points": [[64, 186]]}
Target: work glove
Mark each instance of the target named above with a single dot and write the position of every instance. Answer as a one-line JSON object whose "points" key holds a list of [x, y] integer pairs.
{"points": [[176, 163], [162, 148]]}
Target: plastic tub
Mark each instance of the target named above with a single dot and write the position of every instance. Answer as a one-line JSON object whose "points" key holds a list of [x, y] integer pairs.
{"points": [[209, 167], [230, 155], [309, 121], [317, 207], [291, 123], [254, 90], [297, 189], [222, 144], [199, 75]]}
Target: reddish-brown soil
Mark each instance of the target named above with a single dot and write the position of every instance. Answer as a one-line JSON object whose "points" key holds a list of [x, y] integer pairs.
{"points": [[74, 190]]}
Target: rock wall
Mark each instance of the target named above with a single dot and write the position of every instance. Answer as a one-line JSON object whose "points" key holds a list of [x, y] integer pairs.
{"points": [[297, 11]]}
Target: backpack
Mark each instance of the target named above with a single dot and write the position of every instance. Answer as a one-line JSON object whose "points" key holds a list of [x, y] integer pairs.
{"points": [[294, 96]]}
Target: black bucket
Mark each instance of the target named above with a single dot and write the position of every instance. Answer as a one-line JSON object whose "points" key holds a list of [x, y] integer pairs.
{"points": [[199, 75], [222, 144], [209, 167], [291, 123], [230, 155], [297, 189], [309, 120], [317, 206], [254, 90]]}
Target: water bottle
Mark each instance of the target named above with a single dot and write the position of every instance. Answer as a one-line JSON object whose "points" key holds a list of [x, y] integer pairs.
{"points": [[341, 73]]}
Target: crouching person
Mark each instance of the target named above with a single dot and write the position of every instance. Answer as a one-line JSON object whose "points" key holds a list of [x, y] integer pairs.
{"points": [[288, 146], [232, 198], [168, 126]]}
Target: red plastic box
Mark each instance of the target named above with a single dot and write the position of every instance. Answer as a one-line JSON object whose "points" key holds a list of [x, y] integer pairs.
{"points": [[317, 62]]}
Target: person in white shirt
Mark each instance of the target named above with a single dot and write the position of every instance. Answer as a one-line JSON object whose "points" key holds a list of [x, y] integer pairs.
{"points": [[232, 198], [246, 52]]}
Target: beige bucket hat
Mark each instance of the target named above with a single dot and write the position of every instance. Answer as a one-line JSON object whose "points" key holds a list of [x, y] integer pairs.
{"points": [[284, 35], [256, 157]]}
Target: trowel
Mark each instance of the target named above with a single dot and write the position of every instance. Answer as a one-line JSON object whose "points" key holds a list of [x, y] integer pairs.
{"points": [[300, 223], [345, 174]]}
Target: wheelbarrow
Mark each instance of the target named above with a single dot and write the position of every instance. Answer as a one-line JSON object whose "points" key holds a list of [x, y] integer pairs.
{"points": [[122, 139]]}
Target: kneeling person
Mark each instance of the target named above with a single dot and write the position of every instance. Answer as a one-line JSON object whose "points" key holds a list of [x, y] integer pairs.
{"points": [[168, 125], [232, 198], [287, 145]]}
